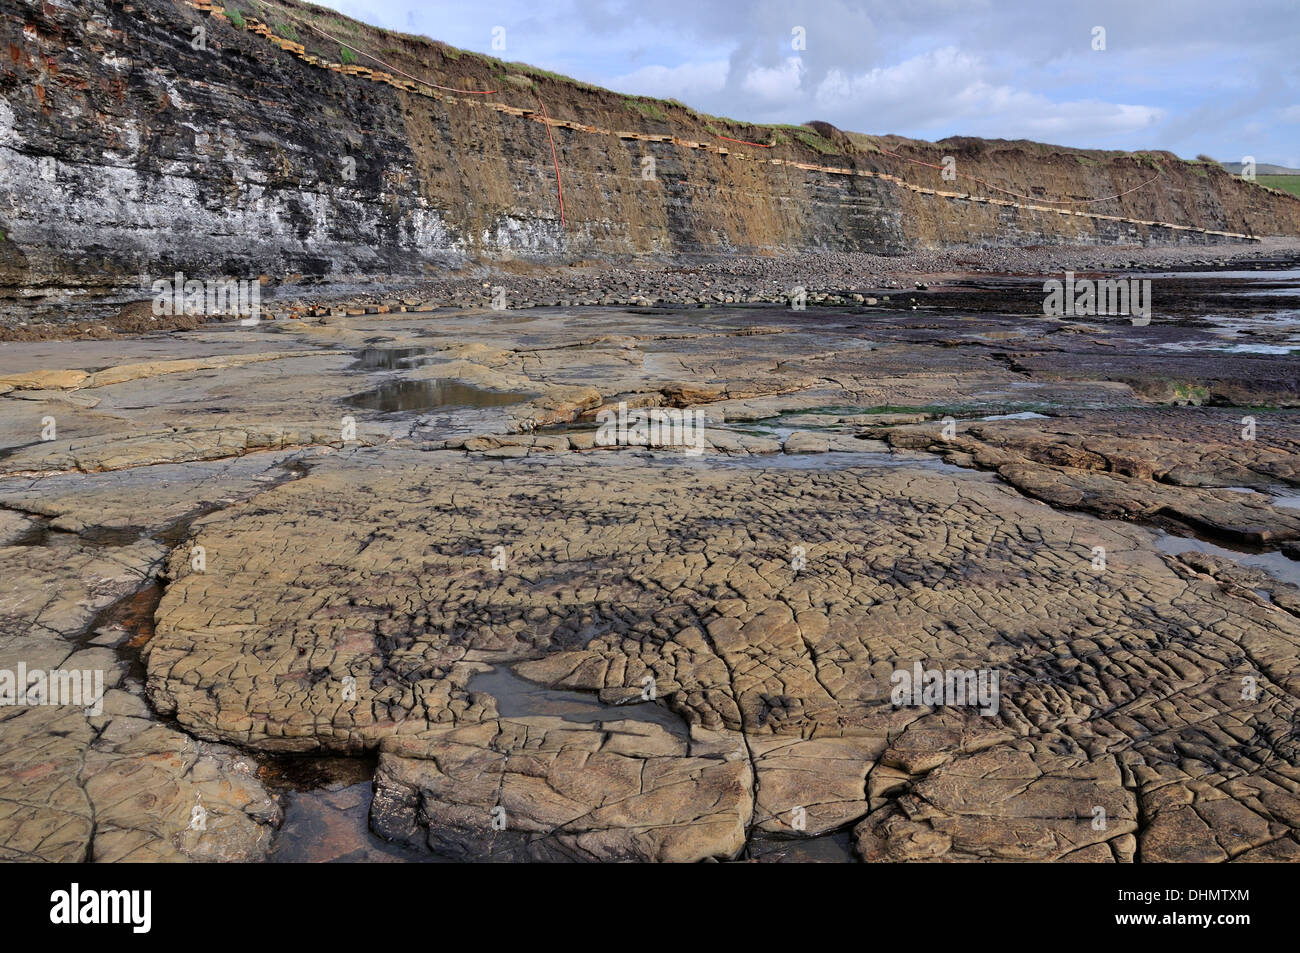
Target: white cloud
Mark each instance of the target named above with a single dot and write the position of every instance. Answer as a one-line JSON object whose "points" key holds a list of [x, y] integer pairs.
{"points": [[1177, 74], [950, 88], [925, 83], [776, 85], [684, 82]]}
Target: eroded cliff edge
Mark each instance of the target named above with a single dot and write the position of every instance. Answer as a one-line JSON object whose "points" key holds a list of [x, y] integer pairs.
{"points": [[128, 153]]}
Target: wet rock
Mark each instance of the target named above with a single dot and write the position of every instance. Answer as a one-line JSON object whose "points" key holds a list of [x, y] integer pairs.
{"points": [[805, 442], [1151, 465]]}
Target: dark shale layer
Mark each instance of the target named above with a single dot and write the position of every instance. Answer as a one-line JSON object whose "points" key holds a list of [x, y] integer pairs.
{"points": [[128, 154]]}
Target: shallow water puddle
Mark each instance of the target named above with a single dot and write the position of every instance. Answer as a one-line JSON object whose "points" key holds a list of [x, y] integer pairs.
{"points": [[390, 358], [1278, 566], [332, 825], [326, 803], [835, 461], [833, 848], [519, 698], [406, 395]]}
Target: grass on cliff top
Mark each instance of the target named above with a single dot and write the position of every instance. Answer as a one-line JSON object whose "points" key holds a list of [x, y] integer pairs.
{"points": [[991, 148], [646, 107], [1283, 183], [816, 142], [417, 49], [377, 40]]}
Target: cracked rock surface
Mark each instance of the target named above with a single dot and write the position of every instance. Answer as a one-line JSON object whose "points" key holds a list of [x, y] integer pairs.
{"points": [[115, 784], [1117, 689], [396, 538]]}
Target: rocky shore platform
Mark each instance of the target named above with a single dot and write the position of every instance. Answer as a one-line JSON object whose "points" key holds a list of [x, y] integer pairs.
{"points": [[825, 278], [369, 581]]}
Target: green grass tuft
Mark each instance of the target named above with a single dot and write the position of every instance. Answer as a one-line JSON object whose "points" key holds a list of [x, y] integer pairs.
{"points": [[816, 142], [646, 107], [1283, 183], [1194, 394]]}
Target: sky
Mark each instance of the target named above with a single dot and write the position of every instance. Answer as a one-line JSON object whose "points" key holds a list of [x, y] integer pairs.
{"points": [[1190, 76]]}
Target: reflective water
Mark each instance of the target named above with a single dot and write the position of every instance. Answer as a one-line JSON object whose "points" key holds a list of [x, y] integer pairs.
{"points": [[519, 698], [390, 358], [326, 804], [1276, 565], [407, 395]]}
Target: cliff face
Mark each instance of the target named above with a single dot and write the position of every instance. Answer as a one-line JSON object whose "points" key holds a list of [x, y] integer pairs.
{"points": [[141, 138]]}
